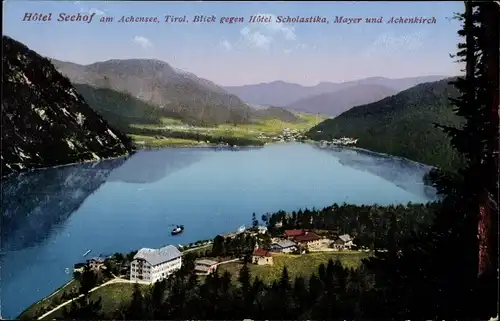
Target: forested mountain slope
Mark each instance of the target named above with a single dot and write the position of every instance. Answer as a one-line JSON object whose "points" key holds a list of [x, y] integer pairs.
{"points": [[45, 122], [183, 95], [401, 125]]}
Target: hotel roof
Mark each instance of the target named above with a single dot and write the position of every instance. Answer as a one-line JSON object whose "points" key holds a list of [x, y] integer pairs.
{"points": [[307, 237], [261, 252], [286, 243], [292, 233], [345, 237], [158, 256]]}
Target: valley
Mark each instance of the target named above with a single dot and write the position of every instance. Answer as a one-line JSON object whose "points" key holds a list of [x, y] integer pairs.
{"points": [[174, 133], [404, 125], [158, 105]]}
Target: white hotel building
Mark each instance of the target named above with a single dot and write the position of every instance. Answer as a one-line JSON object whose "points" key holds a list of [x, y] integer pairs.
{"points": [[151, 265]]}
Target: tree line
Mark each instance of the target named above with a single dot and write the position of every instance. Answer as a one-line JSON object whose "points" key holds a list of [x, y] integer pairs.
{"points": [[238, 141], [373, 226]]}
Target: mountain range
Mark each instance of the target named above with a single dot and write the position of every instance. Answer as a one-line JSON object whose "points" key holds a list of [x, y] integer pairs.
{"points": [[194, 100], [290, 95], [45, 121], [335, 103], [180, 94], [402, 125], [77, 109]]}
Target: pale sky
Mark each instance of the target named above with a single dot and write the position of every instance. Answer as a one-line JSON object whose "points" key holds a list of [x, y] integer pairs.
{"points": [[244, 53]]}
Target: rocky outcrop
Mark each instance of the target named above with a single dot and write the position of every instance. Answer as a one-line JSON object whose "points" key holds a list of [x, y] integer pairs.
{"points": [[45, 122]]}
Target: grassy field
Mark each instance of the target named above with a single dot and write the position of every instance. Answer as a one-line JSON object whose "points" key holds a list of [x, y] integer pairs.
{"points": [[49, 302], [199, 249], [113, 298], [267, 127], [297, 265], [162, 141]]}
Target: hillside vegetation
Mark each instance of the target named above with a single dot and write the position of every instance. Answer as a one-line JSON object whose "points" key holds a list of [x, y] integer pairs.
{"points": [[401, 125], [45, 122], [152, 126], [277, 113], [118, 108], [186, 97]]}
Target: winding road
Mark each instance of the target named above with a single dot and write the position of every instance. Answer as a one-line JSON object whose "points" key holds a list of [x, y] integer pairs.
{"points": [[112, 281], [116, 280]]}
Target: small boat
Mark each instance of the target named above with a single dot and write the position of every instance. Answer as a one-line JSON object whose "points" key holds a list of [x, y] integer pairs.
{"points": [[178, 230], [84, 254], [241, 229]]}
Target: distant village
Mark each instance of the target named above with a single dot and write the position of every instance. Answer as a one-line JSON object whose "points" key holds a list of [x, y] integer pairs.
{"points": [[288, 135], [344, 141], [151, 265]]}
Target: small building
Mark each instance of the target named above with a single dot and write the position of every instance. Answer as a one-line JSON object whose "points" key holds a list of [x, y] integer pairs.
{"points": [[78, 267], [262, 229], [308, 239], [294, 233], [151, 265], [262, 257], [284, 246], [343, 242], [96, 263], [205, 267]]}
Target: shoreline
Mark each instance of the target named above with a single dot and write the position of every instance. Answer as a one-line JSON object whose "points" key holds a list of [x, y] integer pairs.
{"points": [[64, 165], [138, 148], [368, 151], [392, 156], [207, 146], [183, 248], [200, 146]]}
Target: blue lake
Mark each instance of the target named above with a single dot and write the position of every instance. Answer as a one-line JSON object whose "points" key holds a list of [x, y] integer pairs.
{"points": [[51, 217]]}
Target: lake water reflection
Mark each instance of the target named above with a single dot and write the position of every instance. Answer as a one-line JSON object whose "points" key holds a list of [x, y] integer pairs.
{"points": [[51, 217]]}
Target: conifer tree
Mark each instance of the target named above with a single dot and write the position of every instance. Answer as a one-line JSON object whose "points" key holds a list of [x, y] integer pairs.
{"points": [[244, 278], [137, 304], [422, 278], [83, 309]]}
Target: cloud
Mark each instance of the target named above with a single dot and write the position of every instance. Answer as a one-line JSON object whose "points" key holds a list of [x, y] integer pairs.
{"points": [[226, 45], [261, 35], [389, 42], [409, 41], [97, 12], [256, 38], [143, 42], [299, 46]]}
